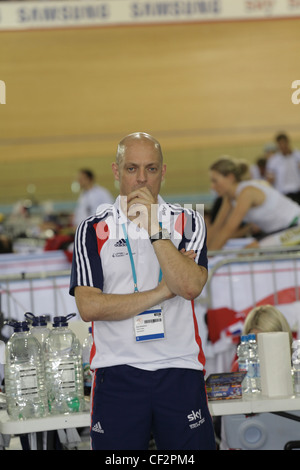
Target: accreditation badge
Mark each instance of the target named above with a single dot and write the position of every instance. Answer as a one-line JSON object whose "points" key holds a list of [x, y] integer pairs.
{"points": [[149, 325]]}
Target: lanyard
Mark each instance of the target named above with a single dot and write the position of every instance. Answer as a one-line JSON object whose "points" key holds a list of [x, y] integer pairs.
{"points": [[132, 262]]}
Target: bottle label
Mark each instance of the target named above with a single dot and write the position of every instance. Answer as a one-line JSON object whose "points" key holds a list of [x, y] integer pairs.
{"points": [[67, 376], [87, 374], [28, 382], [253, 370], [243, 366]]}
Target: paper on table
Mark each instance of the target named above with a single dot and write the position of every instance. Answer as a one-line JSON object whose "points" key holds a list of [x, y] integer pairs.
{"points": [[275, 363]]}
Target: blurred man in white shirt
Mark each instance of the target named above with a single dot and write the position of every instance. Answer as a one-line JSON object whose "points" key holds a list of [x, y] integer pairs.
{"points": [[91, 197], [283, 169]]}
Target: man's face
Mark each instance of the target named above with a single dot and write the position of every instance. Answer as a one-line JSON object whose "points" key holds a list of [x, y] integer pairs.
{"points": [[284, 146], [220, 183], [83, 180], [141, 167]]}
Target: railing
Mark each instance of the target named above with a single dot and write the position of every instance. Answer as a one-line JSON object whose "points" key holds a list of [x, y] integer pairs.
{"points": [[218, 260], [228, 258], [9, 293]]}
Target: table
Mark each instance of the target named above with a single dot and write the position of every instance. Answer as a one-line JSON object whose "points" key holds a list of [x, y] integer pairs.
{"points": [[254, 404], [9, 427], [247, 405], [249, 422], [49, 423]]}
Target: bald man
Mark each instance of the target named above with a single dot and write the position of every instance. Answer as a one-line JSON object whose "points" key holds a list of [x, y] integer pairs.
{"points": [[137, 267]]}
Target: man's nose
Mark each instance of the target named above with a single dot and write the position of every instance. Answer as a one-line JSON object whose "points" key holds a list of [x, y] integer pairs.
{"points": [[141, 175]]}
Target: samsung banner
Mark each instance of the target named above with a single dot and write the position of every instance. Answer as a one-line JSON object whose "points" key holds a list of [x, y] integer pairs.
{"points": [[73, 13]]}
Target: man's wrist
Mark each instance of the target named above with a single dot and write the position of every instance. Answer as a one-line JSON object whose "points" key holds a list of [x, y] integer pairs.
{"points": [[162, 234]]}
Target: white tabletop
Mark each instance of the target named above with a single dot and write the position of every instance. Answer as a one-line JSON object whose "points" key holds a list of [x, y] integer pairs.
{"points": [[256, 403], [49, 423], [246, 405]]}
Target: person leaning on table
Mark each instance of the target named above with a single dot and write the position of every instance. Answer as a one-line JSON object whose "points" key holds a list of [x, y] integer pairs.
{"points": [[142, 255], [261, 319], [265, 319], [255, 202]]}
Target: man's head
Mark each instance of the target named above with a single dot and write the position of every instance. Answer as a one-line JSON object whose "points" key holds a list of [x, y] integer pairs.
{"points": [[283, 143], [139, 163], [86, 179]]}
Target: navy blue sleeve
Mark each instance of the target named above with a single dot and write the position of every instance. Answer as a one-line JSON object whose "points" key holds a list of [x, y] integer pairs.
{"points": [[194, 237], [202, 259], [86, 262]]}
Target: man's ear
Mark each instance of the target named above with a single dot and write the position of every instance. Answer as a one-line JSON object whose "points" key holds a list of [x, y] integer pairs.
{"points": [[164, 169], [115, 169]]}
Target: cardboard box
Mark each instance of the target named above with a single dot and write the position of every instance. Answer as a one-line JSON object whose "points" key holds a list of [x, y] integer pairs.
{"points": [[224, 386]]}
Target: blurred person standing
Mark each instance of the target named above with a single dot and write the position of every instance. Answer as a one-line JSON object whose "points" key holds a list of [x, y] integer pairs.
{"points": [[258, 169], [283, 168], [269, 149], [92, 195]]}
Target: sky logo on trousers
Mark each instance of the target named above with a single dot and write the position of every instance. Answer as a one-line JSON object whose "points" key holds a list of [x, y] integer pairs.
{"points": [[195, 418]]}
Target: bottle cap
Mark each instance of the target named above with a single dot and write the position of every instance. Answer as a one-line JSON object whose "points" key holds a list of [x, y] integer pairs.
{"points": [[36, 321], [19, 326], [62, 321], [40, 321]]}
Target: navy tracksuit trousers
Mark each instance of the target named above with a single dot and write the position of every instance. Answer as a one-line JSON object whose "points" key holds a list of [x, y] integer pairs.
{"points": [[130, 404]]}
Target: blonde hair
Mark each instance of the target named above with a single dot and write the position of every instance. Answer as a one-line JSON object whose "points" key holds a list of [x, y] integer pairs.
{"points": [[228, 165], [266, 318]]}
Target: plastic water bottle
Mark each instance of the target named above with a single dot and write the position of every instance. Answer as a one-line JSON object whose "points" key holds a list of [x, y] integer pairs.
{"points": [[243, 362], [86, 352], [39, 327], [26, 395], [254, 365], [63, 362], [296, 366]]}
